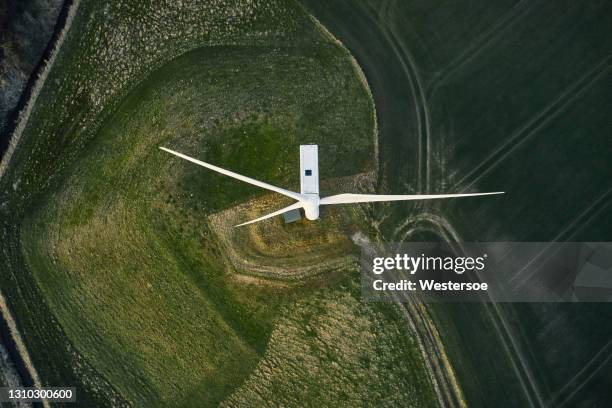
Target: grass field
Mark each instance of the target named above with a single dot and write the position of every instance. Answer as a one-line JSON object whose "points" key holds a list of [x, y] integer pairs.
{"points": [[122, 248], [120, 284], [355, 355]]}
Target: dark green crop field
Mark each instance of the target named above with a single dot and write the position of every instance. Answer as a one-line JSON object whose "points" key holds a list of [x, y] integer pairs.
{"points": [[507, 96], [108, 258]]}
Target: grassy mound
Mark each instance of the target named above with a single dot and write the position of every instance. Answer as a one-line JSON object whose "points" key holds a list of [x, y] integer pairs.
{"points": [[122, 251]]}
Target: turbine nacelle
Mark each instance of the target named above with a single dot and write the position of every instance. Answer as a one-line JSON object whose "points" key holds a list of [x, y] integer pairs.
{"points": [[308, 198], [310, 203]]}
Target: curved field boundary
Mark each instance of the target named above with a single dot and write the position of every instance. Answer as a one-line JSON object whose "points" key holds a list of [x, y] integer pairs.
{"points": [[360, 75]]}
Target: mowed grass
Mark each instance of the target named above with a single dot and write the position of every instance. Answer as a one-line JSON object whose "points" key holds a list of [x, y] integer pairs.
{"points": [[355, 354], [122, 251]]}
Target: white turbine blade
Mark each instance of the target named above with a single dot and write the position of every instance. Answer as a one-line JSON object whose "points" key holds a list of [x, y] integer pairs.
{"points": [[275, 213], [294, 195], [369, 198]]}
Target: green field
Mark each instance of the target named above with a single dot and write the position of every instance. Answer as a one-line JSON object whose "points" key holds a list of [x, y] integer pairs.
{"points": [[123, 248], [108, 258]]}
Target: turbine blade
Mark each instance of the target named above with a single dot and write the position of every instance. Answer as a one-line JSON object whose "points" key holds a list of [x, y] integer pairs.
{"points": [[292, 194], [275, 213], [369, 198]]}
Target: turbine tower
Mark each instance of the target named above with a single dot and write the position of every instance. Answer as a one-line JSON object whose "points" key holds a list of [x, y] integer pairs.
{"points": [[308, 198]]}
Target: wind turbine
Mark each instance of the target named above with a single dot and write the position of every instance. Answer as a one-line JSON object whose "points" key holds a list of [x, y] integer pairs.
{"points": [[308, 198]]}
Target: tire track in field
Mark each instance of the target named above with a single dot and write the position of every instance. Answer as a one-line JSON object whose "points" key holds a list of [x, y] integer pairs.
{"points": [[497, 317], [483, 42], [441, 373], [582, 377], [437, 365], [534, 125], [409, 67], [442, 376], [585, 217], [421, 104], [447, 394], [568, 232]]}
